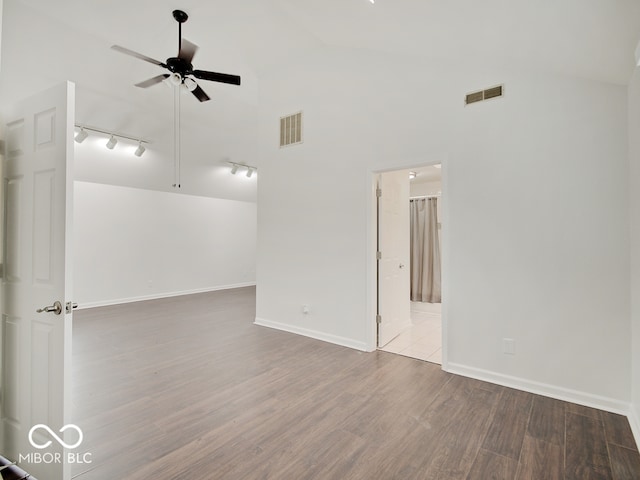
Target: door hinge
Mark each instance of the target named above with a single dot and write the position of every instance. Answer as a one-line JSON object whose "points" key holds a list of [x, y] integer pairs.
{"points": [[378, 192], [378, 255], [378, 319]]}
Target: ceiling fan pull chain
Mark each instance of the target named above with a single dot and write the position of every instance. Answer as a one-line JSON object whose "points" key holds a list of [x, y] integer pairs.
{"points": [[176, 136], [178, 95]]}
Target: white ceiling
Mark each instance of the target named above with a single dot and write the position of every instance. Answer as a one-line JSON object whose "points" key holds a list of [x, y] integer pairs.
{"points": [[590, 38], [430, 174], [47, 41]]}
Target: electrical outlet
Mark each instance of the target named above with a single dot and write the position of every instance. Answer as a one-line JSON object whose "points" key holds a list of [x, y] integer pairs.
{"points": [[508, 346]]}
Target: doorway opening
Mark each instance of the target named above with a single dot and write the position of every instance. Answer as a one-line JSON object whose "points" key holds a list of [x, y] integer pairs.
{"points": [[409, 308]]}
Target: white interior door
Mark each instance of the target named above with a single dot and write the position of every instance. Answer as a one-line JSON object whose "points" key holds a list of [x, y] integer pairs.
{"points": [[393, 265], [36, 347]]}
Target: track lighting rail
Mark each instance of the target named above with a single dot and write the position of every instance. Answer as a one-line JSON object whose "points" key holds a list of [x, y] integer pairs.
{"points": [[235, 166], [111, 134]]}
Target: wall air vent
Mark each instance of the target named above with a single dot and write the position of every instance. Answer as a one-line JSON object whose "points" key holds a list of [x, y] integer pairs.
{"points": [[481, 95], [291, 130]]}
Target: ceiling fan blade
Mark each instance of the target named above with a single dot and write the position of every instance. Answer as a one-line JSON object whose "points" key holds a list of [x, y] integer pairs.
{"points": [[217, 77], [200, 94], [126, 51], [152, 81], [187, 50]]}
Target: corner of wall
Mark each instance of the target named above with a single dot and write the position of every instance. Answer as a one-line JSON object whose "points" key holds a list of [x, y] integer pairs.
{"points": [[1, 9], [634, 422], [634, 224]]}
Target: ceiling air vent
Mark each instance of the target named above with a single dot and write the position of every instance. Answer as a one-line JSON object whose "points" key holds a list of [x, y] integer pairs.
{"points": [[291, 130], [475, 97]]}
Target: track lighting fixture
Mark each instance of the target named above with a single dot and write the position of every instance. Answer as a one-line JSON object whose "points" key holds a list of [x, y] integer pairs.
{"points": [[81, 136], [112, 142], [140, 150], [237, 166]]}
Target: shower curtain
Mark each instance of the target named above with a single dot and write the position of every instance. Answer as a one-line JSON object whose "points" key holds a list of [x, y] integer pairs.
{"points": [[425, 251]]}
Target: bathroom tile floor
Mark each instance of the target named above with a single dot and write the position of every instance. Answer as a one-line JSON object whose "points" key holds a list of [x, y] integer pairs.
{"points": [[422, 340]]}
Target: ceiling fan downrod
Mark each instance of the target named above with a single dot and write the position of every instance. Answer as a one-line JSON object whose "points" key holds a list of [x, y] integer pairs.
{"points": [[180, 17]]}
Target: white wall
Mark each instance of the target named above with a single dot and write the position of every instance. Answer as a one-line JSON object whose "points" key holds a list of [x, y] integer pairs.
{"points": [[132, 244], [1, 10], [425, 188], [536, 185], [634, 175]]}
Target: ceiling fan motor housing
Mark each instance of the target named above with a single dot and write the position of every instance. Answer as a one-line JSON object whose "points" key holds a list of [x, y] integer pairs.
{"points": [[180, 65]]}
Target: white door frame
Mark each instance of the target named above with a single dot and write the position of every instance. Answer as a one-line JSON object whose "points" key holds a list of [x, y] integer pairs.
{"points": [[371, 246]]}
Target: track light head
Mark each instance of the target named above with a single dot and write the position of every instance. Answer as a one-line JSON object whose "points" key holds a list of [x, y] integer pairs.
{"points": [[81, 136], [234, 169], [112, 142], [249, 172], [140, 150]]}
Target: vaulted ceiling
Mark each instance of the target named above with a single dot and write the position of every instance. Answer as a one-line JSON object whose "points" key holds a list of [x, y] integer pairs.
{"points": [[591, 38], [47, 41]]}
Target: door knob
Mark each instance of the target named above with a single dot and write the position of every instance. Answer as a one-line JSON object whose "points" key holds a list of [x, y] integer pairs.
{"points": [[55, 308]]}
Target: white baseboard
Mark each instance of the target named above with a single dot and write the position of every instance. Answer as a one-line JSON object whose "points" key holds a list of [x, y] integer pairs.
{"points": [[325, 337], [155, 296], [560, 393]]}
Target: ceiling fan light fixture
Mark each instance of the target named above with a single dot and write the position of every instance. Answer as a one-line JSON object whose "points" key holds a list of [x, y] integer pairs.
{"points": [[81, 136], [190, 83], [175, 79], [112, 142]]}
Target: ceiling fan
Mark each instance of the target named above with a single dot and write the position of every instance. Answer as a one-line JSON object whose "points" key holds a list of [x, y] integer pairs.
{"points": [[182, 71]]}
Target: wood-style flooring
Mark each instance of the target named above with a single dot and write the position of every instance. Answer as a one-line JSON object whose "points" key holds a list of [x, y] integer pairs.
{"points": [[189, 388]]}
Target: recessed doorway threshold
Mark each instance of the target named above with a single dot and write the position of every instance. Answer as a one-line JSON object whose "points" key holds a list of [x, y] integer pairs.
{"points": [[422, 340]]}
